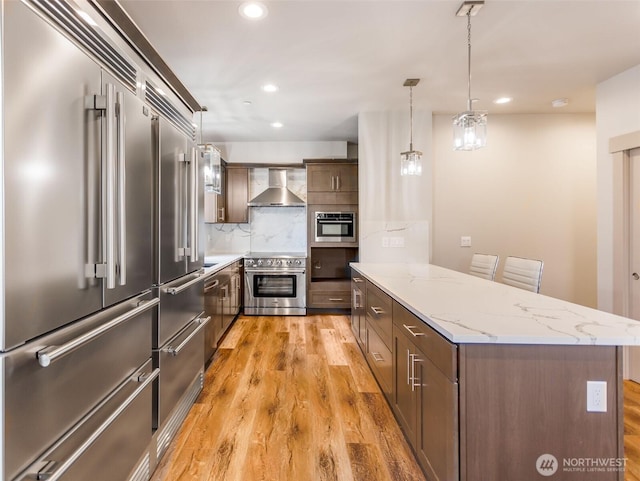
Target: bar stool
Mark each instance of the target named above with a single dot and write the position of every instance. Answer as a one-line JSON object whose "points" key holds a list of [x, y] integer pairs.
{"points": [[522, 273], [484, 265]]}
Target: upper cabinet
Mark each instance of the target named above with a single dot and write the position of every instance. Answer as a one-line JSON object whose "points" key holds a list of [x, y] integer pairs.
{"points": [[333, 182], [231, 205]]}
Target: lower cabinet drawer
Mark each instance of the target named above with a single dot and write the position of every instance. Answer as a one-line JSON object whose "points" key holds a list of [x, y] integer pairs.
{"points": [[380, 360], [338, 299]]}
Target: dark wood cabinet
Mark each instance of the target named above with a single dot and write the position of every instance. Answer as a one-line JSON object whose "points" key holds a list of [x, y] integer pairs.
{"points": [[425, 393], [358, 317], [230, 206], [332, 183], [237, 197]]}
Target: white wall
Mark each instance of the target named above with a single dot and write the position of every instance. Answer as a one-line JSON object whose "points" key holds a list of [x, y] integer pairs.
{"points": [[530, 193], [281, 152], [617, 113], [392, 206]]}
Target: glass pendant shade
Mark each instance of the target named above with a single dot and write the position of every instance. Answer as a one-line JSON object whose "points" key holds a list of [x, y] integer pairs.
{"points": [[470, 130], [411, 163]]}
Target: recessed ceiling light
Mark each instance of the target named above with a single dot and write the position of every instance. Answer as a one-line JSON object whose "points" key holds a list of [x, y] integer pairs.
{"points": [[253, 10], [270, 88], [502, 100], [557, 103], [276, 125]]}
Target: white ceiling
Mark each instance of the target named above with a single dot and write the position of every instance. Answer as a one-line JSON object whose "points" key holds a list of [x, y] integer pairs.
{"points": [[334, 58]]}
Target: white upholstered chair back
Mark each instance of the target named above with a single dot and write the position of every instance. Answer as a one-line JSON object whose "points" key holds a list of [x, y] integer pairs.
{"points": [[522, 273], [484, 265]]}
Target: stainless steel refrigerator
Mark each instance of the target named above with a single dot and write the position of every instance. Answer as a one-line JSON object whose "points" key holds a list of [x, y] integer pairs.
{"points": [[178, 337], [76, 299]]}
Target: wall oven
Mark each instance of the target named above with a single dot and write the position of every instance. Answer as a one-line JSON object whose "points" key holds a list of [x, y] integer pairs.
{"points": [[335, 227], [275, 284]]}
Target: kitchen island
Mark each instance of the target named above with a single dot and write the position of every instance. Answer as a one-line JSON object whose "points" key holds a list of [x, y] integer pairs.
{"points": [[489, 382]]}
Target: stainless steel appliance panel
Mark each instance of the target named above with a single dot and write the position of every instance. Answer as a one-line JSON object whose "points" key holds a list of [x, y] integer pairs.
{"points": [[107, 444], [179, 362], [134, 211], [335, 227], [212, 308], [52, 382], [180, 302], [51, 163], [172, 210], [275, 292]]}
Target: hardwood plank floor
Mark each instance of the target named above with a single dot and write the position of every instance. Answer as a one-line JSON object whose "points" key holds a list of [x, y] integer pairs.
{"points": [[632, 430], [289, 399]]}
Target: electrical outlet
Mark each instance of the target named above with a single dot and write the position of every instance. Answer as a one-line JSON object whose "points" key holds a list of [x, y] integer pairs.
{"points": [[596, 396], [396, 242], [465, 241], [385, 242]]}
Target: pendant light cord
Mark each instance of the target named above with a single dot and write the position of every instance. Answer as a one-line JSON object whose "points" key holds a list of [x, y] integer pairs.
{"points": [[469, 59], [410, 118]]}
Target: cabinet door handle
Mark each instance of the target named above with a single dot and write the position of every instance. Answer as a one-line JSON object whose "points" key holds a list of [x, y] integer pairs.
{"points": [[379, 311], [408, 367], [410, 329], [337, 182], [377, 357], [414, 359], [357, 279]]}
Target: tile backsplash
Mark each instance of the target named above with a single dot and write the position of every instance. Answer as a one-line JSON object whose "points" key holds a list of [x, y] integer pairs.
{"points": [[270, 229]]}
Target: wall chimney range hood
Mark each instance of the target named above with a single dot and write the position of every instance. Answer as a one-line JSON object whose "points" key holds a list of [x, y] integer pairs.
{"points": [[277, 194]]}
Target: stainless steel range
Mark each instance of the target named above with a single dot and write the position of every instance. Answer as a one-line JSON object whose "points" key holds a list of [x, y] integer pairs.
{"points": [[275, 284]]}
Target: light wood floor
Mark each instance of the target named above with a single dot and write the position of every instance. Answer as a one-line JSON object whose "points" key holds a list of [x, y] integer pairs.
{"points": [[632, 430], [289, 399]]}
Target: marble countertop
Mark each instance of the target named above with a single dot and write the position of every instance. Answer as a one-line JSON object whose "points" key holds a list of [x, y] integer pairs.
{"points": [[221, 261], [467, 309]]}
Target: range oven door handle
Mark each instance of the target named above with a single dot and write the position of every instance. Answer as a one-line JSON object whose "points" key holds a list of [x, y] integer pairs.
{"points": [[275, 272], [52, 353], [58, 471]]}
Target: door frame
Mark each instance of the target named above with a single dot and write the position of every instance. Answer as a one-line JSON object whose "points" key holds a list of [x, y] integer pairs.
{"points": [[619, 148]]}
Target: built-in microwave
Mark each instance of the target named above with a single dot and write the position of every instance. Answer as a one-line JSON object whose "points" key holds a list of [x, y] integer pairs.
{"points": [[335, 227]]}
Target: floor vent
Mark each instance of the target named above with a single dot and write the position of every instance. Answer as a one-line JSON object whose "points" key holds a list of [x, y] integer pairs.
{"points": [[174, 422]]}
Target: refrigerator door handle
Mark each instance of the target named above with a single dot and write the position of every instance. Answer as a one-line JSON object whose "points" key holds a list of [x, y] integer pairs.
{"points": [[63, 467], [183, 249], [122, 203], [174, 351], [177, 290], [110, 172], [193, 208], [53, 353]]}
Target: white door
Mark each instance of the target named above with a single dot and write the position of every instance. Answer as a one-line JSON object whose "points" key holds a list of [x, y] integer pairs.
{"points": [[634, 256]]}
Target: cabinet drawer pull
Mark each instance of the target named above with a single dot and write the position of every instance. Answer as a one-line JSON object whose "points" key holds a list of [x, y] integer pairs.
{"points": [[377, 357], [378, 311], [357, 279], [410, 329], [336, 299]]}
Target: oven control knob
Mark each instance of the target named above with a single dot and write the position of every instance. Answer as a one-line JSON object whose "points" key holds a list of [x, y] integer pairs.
{"points": [[298, 262], [259, 262], [269, 261], [276, 262], [289, 262]]}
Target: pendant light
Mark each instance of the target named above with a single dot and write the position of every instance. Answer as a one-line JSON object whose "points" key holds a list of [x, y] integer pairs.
{"points": [[470, 127], [411, 160]]}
